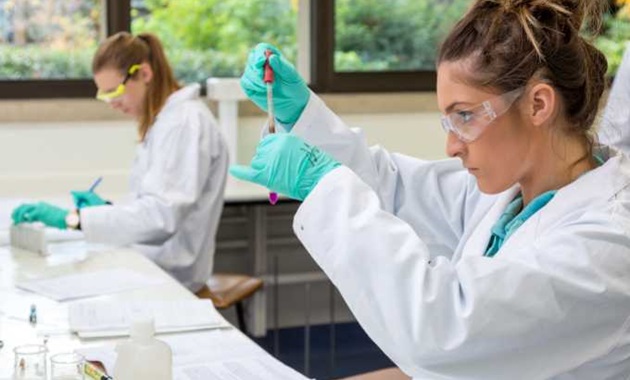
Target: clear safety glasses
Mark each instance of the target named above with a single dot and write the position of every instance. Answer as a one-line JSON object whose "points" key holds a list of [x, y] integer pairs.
{"points": [[470, 123], [110, 96]]}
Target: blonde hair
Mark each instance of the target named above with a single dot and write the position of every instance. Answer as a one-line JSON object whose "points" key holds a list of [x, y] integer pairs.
{"points": [[121, 51]]}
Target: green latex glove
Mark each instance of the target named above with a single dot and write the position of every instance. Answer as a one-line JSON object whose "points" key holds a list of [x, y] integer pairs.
{"points": [[87, 199], [290, 92], [287, 165], [46, 213]]}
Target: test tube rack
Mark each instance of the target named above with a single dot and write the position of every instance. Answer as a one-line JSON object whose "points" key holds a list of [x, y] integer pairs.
{"points": [[29, 236]]}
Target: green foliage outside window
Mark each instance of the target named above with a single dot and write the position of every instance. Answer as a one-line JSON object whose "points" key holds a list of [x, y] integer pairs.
{"points": [[375, 35], [382, 35], [616, 36], [44, 39], [212, 37], [35, 62]]}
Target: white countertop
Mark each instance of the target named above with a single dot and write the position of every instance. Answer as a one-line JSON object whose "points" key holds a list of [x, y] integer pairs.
{"points": [[245, 192], [17, 265]]}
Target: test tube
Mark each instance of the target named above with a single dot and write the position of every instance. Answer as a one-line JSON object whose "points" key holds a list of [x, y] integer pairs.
{"points": [[268, 79]]}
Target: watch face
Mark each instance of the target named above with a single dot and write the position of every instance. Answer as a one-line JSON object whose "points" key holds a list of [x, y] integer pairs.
{"points": [[72, 220]]}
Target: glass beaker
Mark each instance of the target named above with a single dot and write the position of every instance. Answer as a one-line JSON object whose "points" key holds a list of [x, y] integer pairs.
{"points": [[67, 366], [30, 362]]}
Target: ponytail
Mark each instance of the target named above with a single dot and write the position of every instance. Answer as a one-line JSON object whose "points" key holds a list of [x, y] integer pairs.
{"points": [[161, 86]]}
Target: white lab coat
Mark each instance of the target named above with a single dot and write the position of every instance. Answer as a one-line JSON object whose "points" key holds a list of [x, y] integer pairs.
{"points": [[615, 125], [177, 183], [403, 240]]}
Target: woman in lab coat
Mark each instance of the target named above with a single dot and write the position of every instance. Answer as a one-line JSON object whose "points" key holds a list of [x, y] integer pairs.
{"points": [[511, 260], [178, 174]]}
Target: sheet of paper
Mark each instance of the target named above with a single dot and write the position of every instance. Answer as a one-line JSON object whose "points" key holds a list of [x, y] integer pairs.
{"points": [[91, 284], [189, 348], [213, 354], [72, 251], [51, 316], [101, 319], [245, 369]]}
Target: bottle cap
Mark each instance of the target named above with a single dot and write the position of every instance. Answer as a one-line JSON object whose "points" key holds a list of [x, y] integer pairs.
{"points": [[142, 328]]}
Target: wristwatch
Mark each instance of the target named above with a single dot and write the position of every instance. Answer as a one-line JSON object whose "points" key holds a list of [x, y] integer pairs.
{"points": [[73, 221]]}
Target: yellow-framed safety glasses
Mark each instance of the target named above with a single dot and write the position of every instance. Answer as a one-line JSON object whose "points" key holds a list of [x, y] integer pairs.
{"points": [[110, 96]]}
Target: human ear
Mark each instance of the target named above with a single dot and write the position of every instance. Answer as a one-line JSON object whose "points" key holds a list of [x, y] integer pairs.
{"points": [[146, 73], [542, 105]]}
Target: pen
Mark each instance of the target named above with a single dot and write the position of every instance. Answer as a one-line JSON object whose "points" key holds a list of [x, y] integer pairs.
{"points": [[96, 183], [94, 373], [81, 202]]}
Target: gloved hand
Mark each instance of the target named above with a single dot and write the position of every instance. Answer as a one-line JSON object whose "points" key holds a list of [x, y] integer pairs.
{"points": [[285, 164], [86, 199], [46, 213], [290, 93]]}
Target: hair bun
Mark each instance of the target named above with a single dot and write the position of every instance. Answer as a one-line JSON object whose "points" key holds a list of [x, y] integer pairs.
{"points": [[577, 13], [509, 42]]}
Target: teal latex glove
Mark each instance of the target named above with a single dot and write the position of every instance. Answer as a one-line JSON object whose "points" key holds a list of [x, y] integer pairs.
{"points": [[46, 213], [290, 92], [287, 165], [87, 199]]}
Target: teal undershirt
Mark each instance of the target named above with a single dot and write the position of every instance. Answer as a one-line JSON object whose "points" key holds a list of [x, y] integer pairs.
{"points": [[514, 217]]}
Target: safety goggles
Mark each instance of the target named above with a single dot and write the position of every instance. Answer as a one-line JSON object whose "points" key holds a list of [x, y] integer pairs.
{"points": [[470, 123], [110, 96]]}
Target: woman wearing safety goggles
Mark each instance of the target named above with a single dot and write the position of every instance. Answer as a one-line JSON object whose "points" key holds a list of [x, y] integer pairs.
{"points": [[511, 259], [178, 174]]}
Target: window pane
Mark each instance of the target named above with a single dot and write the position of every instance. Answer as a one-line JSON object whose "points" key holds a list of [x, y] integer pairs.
{"points": [[48, 39], [213, 37], [392, 35]]}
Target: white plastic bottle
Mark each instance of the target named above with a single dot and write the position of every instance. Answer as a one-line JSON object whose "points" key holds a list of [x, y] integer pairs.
{"points": [[143, 356]]}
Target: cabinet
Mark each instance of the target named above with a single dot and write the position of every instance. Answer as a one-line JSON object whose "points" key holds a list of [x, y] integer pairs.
{"points": [[257, 238]]}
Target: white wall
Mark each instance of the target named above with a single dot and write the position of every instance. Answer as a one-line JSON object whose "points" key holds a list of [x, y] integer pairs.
{"points": [[415, 134], [50, 158], [38, 159]]}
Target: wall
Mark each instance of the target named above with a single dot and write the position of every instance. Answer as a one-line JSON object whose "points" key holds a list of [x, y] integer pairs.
{"points": [[44, 153]]}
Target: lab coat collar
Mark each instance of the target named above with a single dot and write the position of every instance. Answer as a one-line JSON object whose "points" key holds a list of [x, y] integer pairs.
{"points": [[477, 243], [591, 190], [591, 193], [189, 92], [601, 183]]}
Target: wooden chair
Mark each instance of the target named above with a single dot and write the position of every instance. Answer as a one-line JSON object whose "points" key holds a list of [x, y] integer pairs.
{"points": [[225, 290], [384, 374]]}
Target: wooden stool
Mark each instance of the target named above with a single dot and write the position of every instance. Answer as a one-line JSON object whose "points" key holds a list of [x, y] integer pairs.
{"points": [[226, 289], [384, 374]]}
